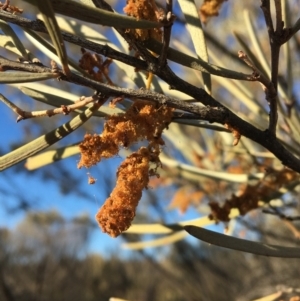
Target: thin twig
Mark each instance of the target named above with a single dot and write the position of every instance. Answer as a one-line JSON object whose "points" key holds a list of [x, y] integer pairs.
{"points": [[62, 110], [295, 28], [292, 227], [286, 219], [50, 138], [139, 64], [265, 6], [275, 211], [268, 88], [167, 32], [279, 21], [275, 49], [5, 5], [143, 52], [274, 37], [213, 112], [37, 25], [11, 105], [6, 65], [257, 74]]}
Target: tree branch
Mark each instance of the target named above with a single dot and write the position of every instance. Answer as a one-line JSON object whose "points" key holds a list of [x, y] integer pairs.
{"points": [[107, 51], [275, 49], [167, 32], [214, 112], [82, 102]]}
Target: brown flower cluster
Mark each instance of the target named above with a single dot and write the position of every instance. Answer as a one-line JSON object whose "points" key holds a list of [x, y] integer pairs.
{"points": [[142, 120], [118, 211], [210, 8], [184, 197], [11, 8], [236, 134], [145, 10], [252, 194], [94, 65]]}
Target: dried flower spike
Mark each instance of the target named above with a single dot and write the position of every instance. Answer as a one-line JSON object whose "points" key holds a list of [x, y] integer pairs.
{"points": [[145, 10], [210, 8], [94, 65], [142, 120], [118, 211]]}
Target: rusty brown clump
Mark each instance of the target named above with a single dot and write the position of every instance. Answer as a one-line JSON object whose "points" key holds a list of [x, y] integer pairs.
{"points": [[251, 195], [95, 66], [11, 8], [210, 8], [118, 211], [142, 121], [144, 10]]}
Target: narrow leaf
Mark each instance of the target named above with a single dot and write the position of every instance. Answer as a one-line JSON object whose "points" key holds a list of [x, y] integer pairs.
{"points": [[47, 49], [45, 141], [7, 43], [245, 44], [200, 124], [49, 95], [167, 228], [51, 156], [186, 169], [259, 57], [90, 14], [9, 32], [47, 12], [194, 63], [194, 27], [243, 245], [24, 77], [56, 97], [160, 242], [271, 297]]}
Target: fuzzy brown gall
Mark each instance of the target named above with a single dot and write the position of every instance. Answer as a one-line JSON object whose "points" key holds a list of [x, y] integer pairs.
{"points": [[142, 121], [118, 211], [145, 10]]}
